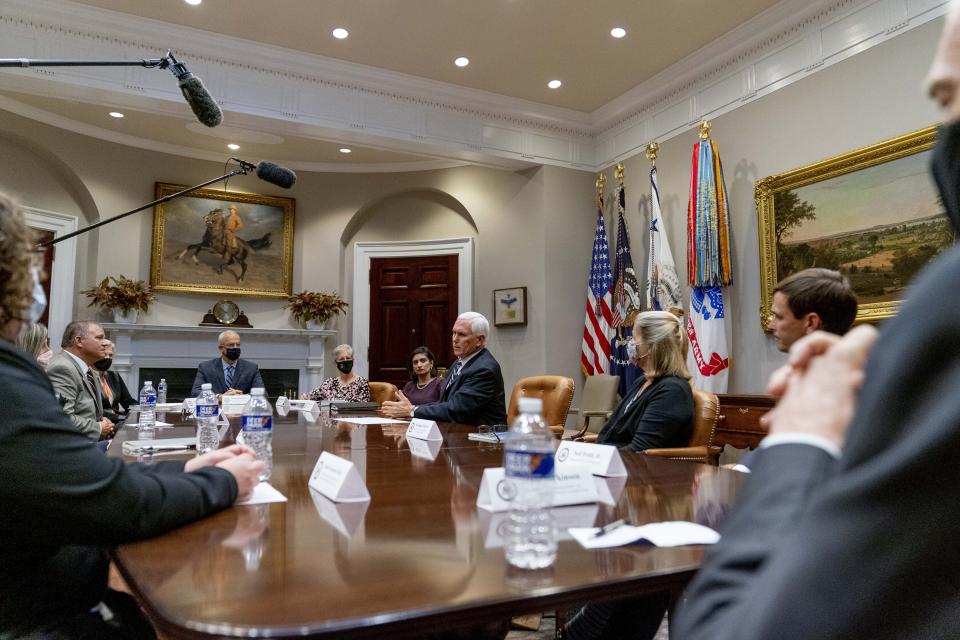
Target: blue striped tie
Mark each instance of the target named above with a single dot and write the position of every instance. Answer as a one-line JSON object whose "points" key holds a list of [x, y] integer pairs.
{"points": [[228, 378]]}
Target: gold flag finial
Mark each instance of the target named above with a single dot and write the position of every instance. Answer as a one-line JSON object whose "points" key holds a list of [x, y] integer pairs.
{"points": [[705, 127], [618, 172], [652, 150], [601, 180]]}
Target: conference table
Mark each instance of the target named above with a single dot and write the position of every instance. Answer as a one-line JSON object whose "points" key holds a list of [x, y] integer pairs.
{"points": [[419, 557]]}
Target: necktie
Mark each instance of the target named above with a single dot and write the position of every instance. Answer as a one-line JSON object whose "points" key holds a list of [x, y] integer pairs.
{"points": [[94, 393], [456, 368], [228, 377]]}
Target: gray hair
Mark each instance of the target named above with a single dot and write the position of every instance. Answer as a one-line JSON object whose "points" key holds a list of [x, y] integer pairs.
{"points": [[479, 325], [344, 349], [76, 329], [223, 336], [33, 339]]}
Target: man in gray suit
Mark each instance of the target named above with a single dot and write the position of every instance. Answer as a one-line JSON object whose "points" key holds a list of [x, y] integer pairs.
{"points": [[228, 374], [75, 381]]}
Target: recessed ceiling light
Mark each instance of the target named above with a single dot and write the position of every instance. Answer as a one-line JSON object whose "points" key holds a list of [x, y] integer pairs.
{"points": [[340, 33], [345, 150], [233, 147], [116, 114], [193, 2], [618, 32], [461, 61], [554, 84]]}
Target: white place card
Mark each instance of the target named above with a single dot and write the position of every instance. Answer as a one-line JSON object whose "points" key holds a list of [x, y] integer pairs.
{"points": [[309, 408], [662, 534], [573, 485], [600, 459], [189, 405], [424, 430], [425, 449], [233, 405], [263, 493], [338, 479], [609, 489], [169, 406], [493, 525], [344, 517]]}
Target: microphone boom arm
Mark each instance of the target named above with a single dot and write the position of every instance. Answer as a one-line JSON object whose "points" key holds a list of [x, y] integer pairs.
{"points": [[26, 63]]}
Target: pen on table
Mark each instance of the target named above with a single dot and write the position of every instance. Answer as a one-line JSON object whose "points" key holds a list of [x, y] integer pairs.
{"points": [[607, 528]]}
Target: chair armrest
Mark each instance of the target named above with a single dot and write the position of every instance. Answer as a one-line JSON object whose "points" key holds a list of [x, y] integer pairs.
{"points": [[704, 454], [557, 430], [596, 414], [587, 437]]}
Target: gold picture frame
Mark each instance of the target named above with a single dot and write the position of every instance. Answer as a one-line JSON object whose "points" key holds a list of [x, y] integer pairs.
{"points": [[192, 252], [878, 211]]}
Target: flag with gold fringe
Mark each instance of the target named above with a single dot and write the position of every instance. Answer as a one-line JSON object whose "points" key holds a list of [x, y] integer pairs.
{"points": [[595, 347], [708, 267], [626, 297]]}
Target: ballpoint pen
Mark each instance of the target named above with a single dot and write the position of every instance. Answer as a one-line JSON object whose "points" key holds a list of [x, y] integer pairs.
{"points": [[607, 528]]}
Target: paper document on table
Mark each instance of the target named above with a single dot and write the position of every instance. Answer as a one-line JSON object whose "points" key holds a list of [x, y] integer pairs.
{"points": [[662, 534], [133, 447], [370, 420], [262, 494]]}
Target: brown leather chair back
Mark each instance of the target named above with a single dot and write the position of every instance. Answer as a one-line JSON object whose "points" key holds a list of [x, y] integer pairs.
{"points": [[706, 413], [380, 392], [555, 391]]}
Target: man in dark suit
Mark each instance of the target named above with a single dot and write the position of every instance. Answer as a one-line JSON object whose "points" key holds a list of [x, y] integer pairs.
{"points": [[77, 382], [861, 542], [229, 375], [473, 393]]}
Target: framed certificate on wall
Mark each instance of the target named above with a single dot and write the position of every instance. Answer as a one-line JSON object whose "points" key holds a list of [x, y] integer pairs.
{"points": [[510, 306]]}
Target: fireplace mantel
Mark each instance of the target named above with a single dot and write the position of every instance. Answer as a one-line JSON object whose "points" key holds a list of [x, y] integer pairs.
{"points": [[175, 346]]}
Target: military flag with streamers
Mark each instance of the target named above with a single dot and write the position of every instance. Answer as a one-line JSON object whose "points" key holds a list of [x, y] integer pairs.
{"points": [[663, 283], [595, 350], [626, 298], [708, 267]]}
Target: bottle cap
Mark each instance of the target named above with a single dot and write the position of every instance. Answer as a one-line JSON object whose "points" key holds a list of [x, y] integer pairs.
{"points": [[206, 386], [257, 391], [148, 383], [530, 405]]}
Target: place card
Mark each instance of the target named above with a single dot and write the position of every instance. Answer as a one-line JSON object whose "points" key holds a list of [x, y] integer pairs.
{"points": [[600, 459], [424, 430], [573, 485], [233, 405], [493, 525], [309, 408], [338, 479], [263, 493], [344, 517], [189, 405], [425, 449]]}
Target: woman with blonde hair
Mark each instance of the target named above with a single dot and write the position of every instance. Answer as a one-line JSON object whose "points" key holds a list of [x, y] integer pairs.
{"points": [[658, 410], [33, 339]]}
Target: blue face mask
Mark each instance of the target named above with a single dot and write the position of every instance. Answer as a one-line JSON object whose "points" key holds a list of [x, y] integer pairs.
{"points": [[39, 302]]}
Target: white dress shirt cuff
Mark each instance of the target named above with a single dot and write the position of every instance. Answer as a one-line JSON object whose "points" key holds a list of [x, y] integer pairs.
{"points": [[802, 438]]}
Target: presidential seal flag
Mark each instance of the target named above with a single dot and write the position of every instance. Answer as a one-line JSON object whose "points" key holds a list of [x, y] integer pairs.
{"points": [[626, 298], [663, 283], [595, 349]]}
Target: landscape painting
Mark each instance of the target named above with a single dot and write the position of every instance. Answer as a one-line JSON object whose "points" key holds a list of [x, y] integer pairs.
{"points": [[222, 242], [873, 214]]}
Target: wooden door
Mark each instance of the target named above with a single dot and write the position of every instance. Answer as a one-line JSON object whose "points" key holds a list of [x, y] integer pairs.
{"points": [[413, 302], [46, 269]]}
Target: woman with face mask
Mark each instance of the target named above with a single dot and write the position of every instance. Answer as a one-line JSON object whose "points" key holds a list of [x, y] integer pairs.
{"points": [[113, 391], [347, 385], [34, 340]]}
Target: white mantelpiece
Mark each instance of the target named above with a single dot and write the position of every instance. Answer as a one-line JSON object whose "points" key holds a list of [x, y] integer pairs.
{"points": [[176, 347]]}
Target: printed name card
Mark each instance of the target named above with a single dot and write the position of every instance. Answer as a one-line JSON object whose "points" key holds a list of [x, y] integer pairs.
{"points": [[233, 405], [309, 408], [338, 479], [572, 485], [424, 430], [600, 459], [425, 449]]}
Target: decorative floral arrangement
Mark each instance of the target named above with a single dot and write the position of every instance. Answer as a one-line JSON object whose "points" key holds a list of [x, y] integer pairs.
{"points": [[315, 305], [123, 295]]}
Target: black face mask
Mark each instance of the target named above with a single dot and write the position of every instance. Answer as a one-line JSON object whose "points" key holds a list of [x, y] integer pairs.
{"points": [[346, 366], [104, 364], [232, 353], [945, 167]]}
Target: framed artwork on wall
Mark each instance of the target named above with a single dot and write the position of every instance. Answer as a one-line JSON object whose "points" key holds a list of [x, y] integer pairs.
{"points": [[222, 242], [510, 306], [873, 214]]}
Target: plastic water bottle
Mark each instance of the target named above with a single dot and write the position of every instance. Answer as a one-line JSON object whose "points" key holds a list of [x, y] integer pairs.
{"points": [[257, 425], [148, 406], [162, 391], [207, 411], [530, 541]]}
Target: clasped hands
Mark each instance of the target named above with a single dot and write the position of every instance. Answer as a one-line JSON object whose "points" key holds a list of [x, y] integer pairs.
{"points": [[240, 460]]}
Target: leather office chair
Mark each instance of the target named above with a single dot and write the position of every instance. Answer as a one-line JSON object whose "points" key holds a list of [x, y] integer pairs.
{"points": [[706, 413], [380, 392], [556, 393], [598, 403]]}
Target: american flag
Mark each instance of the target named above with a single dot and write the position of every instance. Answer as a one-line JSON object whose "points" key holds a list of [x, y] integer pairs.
{"points": [[595, 356]]}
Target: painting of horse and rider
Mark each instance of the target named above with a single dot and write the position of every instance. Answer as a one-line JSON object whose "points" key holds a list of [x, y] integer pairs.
{"points": [[222, 242]]}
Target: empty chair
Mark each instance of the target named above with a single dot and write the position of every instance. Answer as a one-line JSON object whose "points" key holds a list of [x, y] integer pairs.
{"points": [[380, 392], [700, 448], [556, 393], [597, 404]]}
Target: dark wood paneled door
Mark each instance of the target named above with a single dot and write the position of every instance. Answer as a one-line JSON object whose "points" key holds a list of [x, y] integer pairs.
{"points": [[46, 269], [413, 302]]}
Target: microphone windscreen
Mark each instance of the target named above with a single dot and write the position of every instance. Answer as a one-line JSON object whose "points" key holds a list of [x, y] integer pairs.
{"points": [[201, 102], [275, 174]]}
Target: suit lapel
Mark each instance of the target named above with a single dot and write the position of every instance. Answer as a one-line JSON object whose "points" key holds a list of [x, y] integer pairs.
{"points": [[85, 381], [218, 369], [454, 383]]}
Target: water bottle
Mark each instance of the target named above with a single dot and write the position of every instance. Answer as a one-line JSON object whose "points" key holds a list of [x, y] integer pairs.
{"points": [[162, 391], [257, 426], [530, 542], [208, 435], [148, 406]]}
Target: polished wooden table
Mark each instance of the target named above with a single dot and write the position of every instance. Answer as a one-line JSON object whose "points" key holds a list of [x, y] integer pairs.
{"points": [[419, 557]]}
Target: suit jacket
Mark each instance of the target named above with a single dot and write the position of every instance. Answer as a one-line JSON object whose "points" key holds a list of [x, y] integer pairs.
{"points": [[474, 396], [864, 546], [661, 417], [81, 401], [245, 377], [65, 503]]}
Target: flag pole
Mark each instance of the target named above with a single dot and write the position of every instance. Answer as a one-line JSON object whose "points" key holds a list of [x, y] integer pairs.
{"points": [[705, 127], [601, 181], [652, 149]]}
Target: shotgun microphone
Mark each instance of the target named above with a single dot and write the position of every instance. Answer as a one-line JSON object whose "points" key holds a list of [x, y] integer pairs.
{"points": [[269, 172], [201, 102]]}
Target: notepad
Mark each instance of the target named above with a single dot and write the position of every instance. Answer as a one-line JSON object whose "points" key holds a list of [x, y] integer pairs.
{"points": [[661, 534]]}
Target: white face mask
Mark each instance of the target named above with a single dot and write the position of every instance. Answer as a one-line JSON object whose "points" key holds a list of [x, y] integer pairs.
{"points": [[39, 298], [632, 354], [44, 358]]}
